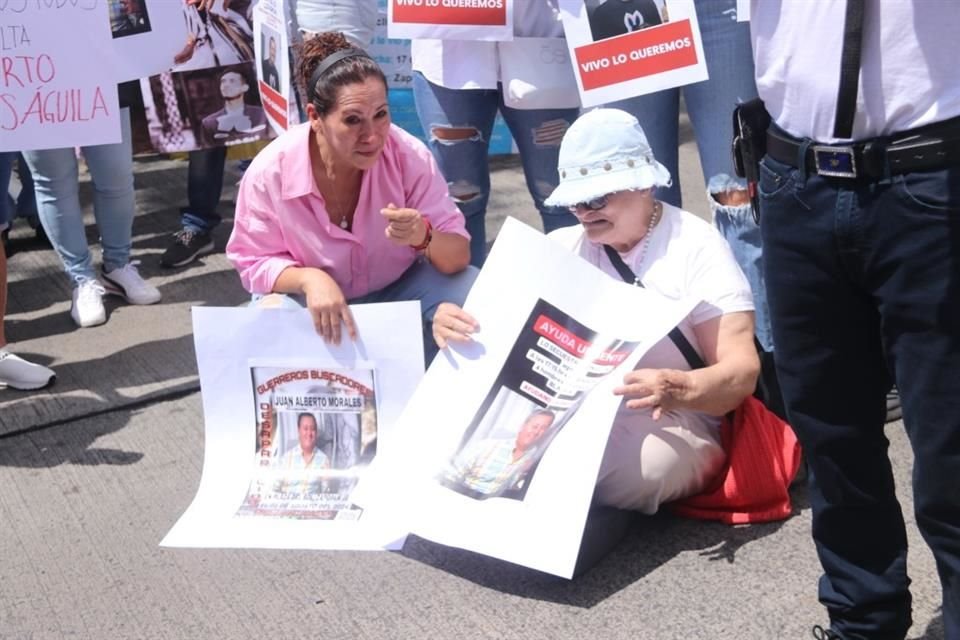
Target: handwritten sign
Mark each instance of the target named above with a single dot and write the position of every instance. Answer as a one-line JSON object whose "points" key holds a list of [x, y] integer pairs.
{"points": [[451, 19], [620, 51], [57, 83]]}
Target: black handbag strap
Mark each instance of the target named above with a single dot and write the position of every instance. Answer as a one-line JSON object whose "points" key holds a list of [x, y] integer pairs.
{"points": [[849, 69], [689, 353]]}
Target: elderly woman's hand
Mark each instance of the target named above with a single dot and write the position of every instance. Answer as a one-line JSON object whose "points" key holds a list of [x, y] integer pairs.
{"points": [[452, 324], [327, 306], [657, 389], [404, 226]]}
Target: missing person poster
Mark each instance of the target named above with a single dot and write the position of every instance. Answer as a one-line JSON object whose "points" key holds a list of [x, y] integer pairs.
{"points": [[273, 62], [621, 49], [554, 362], [147, 35], [58, 82], [292, 424], [499, 448], [451, 19], [210, 98], [315, 430]]}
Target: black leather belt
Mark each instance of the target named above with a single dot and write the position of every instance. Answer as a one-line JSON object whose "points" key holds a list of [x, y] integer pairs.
{"points": [[925, 148]]}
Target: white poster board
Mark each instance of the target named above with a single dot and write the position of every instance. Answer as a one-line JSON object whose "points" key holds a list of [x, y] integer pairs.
{"points": [[58, 85], [273, 62], [147, 35], [543, 365], [625, 49], [451, 19], [261, 370]]}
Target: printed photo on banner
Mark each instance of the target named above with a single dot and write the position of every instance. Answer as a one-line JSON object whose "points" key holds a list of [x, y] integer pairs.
{"points": [[273, 56], [58, 81], [316, 428], [214, 107], [625, 48], [451, 19], [217, 36], [554, 362], [148, 35], [128, 18]]}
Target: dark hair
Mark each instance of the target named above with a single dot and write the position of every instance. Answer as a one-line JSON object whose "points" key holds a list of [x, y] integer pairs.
{"points": [[239, 72], [354, 70], [301, 416]]}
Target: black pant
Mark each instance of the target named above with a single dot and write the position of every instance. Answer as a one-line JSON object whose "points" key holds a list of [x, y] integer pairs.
{"points": [[863, 280]]}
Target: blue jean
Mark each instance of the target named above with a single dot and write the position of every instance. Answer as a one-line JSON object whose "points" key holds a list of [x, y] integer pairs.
{"points": [[25, 206], [464, 162], [420, 282], [7, 205], [204, 186], [710, 104], [864, 289], [111, 171]]}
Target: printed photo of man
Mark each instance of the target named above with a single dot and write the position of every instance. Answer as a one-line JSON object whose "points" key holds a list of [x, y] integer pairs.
{"points": [[268, 68], [307, 455], [128, 18], [616, 17], [237, 121], [491, 466]]}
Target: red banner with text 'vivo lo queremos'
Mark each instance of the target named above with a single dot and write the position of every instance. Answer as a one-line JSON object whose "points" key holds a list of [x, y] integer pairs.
{"points": [[451, 19]]}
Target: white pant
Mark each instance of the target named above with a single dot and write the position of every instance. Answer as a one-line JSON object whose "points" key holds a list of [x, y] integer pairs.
{"points": [[648, 463]]}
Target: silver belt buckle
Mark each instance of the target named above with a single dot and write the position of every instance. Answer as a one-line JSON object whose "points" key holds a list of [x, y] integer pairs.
{"points": [[838, 162]]}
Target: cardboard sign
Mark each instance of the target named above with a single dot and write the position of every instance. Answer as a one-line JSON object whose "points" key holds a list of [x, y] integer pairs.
{"points": [[273, 68], [625, 49], [451, 19], [58, 83]]}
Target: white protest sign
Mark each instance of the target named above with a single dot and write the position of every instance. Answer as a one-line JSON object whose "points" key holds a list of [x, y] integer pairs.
{"points": [[58, 86], [451, 19], [542, 368], [273, 68], [625, 49], [291, 424], [147, 36]]}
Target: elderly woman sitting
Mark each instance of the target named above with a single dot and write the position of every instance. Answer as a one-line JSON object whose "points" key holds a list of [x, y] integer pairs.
{"points": [[348, 208], [665, 441]]}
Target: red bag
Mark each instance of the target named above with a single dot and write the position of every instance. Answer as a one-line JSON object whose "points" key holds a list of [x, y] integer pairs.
{"points": [[763, 457]]}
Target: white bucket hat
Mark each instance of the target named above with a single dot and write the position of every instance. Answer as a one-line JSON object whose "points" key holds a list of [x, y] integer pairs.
{"points": [[603, 152]]}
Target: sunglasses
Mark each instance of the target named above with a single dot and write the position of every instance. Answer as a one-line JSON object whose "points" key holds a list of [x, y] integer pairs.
{"points": [[594, 204]]}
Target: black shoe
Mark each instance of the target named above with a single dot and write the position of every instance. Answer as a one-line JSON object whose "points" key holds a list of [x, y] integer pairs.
{"points": [[186, 247], [894, 412], [819, 633]]}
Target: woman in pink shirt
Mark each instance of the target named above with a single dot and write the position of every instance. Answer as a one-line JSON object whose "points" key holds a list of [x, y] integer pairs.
{"points": [[348, 208]]}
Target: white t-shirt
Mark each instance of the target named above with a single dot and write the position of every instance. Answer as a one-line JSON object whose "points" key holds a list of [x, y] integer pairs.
{"points": [[908, 72], [687, 259], [474, 64]]}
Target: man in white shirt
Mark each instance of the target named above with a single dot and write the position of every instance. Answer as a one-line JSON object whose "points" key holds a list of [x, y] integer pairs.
{"points": [[861, 233]]}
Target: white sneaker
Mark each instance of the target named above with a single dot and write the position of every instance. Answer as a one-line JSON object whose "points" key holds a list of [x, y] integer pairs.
{"points": [[17, 373], [127, 283], [87, 309]]}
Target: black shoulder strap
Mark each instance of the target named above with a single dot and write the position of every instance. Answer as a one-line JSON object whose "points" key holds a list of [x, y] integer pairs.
{"points": [[849, 70], [689, 353]]}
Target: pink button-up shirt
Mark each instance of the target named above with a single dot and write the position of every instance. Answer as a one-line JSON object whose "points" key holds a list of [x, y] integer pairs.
{"points": [[281, 219]]}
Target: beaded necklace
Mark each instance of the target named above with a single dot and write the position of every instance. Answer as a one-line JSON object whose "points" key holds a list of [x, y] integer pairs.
{"points": [[654, 219]]}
